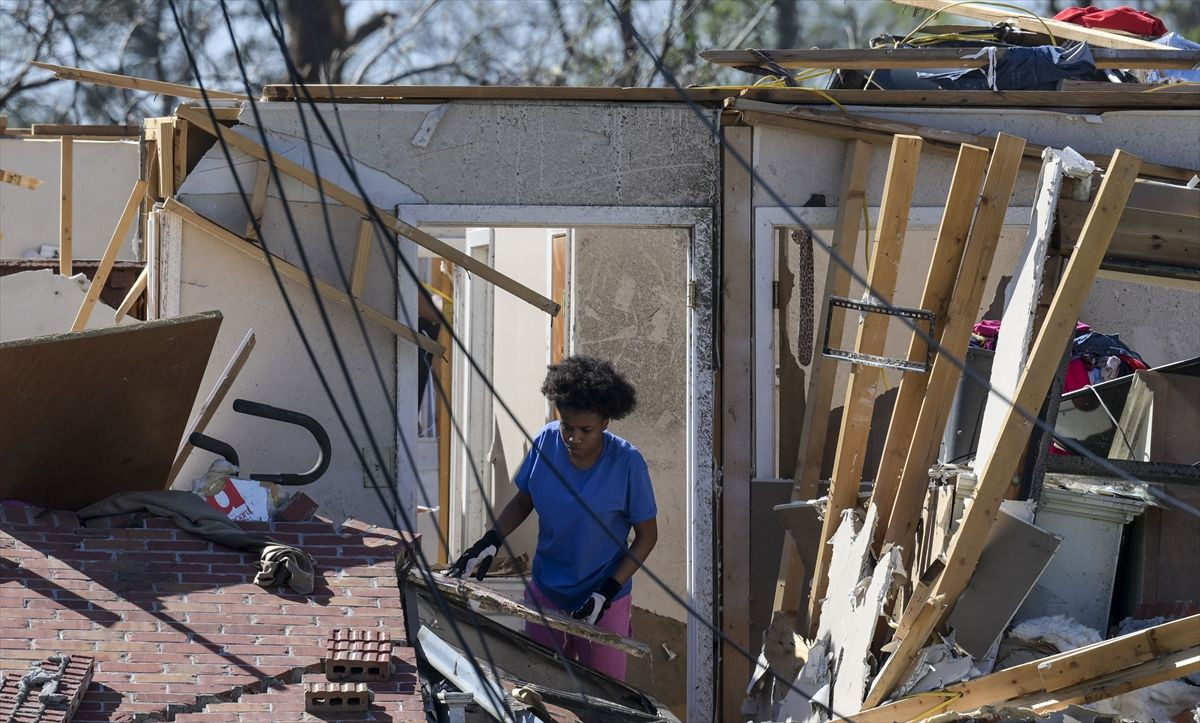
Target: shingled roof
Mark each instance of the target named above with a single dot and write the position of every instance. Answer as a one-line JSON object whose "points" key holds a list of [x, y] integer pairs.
{"points": [[177, 627]]}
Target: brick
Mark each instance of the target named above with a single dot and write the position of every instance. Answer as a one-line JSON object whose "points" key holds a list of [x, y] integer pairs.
{"points": [[358, 655], [330, 699], [298, 508], [75, 675]]}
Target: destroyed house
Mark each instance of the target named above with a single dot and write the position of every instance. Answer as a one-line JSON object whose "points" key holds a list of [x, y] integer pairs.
{"points": [[686, 235]]}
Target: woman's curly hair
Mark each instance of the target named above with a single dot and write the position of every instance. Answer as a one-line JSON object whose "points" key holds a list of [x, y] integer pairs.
{"points": [[587, 384]]}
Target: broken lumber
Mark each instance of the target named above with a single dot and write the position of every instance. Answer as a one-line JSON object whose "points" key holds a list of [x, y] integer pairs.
{"points": [[944, 376], [939, 287], [295, 273], [258, 198], [852, 200], [1039, 371], [872, 58], [66, 203], [131, 297], [108, 131], [110, 255], [863, 386], [19, 179], [362, 256], [357, 203], [1035, 24], [130, 82], [1032, 681], [211, 403], [1159, 670], [477, 595]]}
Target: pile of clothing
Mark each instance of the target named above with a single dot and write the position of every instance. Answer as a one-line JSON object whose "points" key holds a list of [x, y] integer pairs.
{"points": [[1095, 357]]}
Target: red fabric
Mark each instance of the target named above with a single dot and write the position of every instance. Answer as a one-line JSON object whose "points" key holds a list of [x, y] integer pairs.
{"points": [[1123, 18], [1077, 376]]}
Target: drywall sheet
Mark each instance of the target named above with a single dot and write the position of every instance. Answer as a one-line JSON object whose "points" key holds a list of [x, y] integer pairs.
{"points": [[93, 413]]}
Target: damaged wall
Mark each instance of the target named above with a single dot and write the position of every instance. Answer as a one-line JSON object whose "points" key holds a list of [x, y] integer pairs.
{"points": [[104, 173]]}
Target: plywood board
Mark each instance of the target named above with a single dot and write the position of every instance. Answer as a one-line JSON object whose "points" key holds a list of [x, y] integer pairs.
{"points": [[92, 413]]}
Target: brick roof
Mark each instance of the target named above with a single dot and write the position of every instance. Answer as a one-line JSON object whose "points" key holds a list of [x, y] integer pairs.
{"points": [[177, 626]]}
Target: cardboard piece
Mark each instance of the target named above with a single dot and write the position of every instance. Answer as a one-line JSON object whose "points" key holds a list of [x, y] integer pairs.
{"points": [[92, 413]]}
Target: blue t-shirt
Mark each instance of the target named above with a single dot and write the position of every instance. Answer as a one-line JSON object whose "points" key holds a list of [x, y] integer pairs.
{"points": [[574, 553]]}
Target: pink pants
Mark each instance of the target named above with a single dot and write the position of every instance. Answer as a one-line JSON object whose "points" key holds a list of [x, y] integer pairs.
{"points": [[617, 619]]}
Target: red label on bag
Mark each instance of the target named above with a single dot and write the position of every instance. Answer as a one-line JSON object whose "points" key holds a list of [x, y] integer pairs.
{"points": [[227, 499]]}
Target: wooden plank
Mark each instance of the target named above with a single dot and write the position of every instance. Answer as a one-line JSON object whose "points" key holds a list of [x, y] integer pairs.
{"points": [[789, 585], [357, 203], [425, 93], [864, 384], [258, 198], [115, 80], [868, 59], [1022, 300], [297, 274], [558, 292], [66, 204], [19, 179], [939, 287], [60, 129], [839, 124], [1070, 668], [937, 98], [1145, 235], [179, 156], [362, 257], [1070, 84], [110, 255], [166, 158], [443, 377], [121, 399], [1027, 21], [478, 595], [1159, 670], [211, 403], [135, 291], [737, 408], [996, 476], [960, 317]]}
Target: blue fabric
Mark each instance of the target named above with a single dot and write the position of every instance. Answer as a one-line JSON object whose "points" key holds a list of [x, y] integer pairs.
{"points": [[1175, 40], [574, 553], [1036, 68]]}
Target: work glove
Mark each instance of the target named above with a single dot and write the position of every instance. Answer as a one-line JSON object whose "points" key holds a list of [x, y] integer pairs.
{"points": [[478, 558], [593, 608]]}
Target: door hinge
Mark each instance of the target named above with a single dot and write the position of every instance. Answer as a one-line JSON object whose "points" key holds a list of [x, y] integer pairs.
{"points": [[774, 294], [691, 295]]}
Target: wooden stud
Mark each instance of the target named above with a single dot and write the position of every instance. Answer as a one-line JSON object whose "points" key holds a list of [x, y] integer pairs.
{"points": [[736, 388], [112, 131], [1061, 30], [443, 376], [1159, 670], [258, 197], [131, 297], [166, 157], [558, 292], [996, 476], [356, 203], [212, 402], [66, 188], [362, 257], [297, 274], [115, 80], [110, 255], [180, 155], [1057, 672], [19, 179], [872, 58], [961, 316], [863, 386], [939, 287], [822, 373]]}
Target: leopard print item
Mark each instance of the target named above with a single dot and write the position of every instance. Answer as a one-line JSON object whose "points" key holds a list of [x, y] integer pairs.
{"points": [[804, 286]]}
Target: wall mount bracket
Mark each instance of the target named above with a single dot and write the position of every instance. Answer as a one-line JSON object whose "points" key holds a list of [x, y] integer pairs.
{"points": [[874, 360]]}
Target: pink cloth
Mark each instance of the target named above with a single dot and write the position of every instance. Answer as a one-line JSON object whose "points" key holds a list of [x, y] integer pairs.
{"points": [[617, 619]]}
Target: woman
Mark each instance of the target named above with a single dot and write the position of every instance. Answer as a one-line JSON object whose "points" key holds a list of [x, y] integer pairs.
{"points": [[590, 488]]}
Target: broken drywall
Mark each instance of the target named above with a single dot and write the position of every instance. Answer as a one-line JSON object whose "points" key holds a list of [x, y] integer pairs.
{"points": [[36, 303]]}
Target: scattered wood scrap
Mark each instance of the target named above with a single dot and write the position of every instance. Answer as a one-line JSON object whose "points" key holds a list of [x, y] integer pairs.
{"points": [[478, 595], [130, 82], [19, 179]]}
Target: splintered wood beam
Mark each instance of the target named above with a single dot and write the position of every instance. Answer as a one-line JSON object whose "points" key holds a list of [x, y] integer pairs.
{"points": [[96, 77], [19, 179], [212, 403], [258, 198], [789, 585], [355, 202], [131, 297], [869, 59], [1030, 683], [110, 255], [476, 594], [1152, 672], [66, 188], [1034, 24], [961, 316], [362, 257], [944, 266], [297, 274], [996, 475], [864, 384]]}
